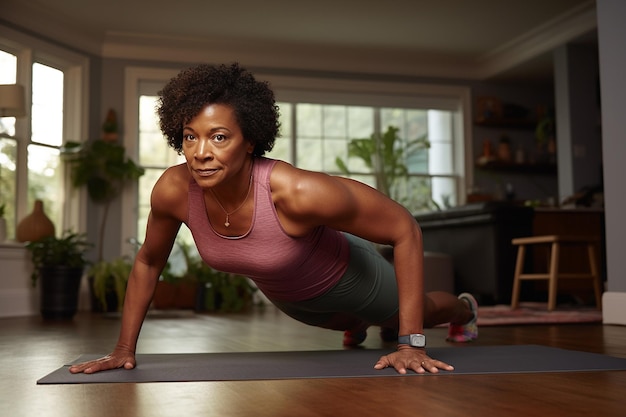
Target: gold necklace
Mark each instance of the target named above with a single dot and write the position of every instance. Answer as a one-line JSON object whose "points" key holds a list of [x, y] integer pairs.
{"points": [[227, 222]]}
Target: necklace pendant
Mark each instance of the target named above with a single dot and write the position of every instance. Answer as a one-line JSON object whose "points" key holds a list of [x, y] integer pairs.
{"points": [[226, 224]]}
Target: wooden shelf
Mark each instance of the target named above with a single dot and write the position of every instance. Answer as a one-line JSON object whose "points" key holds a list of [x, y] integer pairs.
{"points": [[543, 168]]}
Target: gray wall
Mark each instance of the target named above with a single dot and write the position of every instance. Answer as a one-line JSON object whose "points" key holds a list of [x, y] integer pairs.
{"points": [[612, 34]]}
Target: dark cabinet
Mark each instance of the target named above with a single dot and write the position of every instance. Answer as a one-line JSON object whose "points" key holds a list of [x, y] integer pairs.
{"points": [[478, 238]]}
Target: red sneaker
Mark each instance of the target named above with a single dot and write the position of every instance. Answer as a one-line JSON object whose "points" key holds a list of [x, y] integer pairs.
{"points": [[467, 332], [353, 338]]}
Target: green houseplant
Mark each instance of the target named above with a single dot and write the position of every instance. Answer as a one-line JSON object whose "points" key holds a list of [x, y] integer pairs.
{"points": [[109, 282], [385, 157], [103, 167], [58, 266]]}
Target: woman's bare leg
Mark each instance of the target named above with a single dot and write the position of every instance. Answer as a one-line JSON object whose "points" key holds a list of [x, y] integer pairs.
{"points": [[442, 307]]}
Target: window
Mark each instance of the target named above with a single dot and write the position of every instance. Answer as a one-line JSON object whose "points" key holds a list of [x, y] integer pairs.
{"points": [[319, 118], [154, 155], [320, 133], [8, 147], [31, 167], [45, 176]]}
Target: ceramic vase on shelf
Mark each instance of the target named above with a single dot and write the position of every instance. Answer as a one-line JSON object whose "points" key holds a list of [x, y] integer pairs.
{"points": [[34, 226]]}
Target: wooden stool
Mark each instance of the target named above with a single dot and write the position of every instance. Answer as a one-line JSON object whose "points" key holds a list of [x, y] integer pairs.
{"points": [[553, 274]]}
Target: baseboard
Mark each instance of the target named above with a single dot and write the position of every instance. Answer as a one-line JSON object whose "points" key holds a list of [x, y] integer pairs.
{"points": [[614, 308], [18, 302]]}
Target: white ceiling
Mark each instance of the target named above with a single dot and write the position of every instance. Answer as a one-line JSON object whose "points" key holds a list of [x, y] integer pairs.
{"points": [[472, 39]]}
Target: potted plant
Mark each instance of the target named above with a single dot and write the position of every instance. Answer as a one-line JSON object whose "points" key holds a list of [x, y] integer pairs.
{"points": [[109, 283], [58, 265], [218, 291], [201, 287], [103, 167]]}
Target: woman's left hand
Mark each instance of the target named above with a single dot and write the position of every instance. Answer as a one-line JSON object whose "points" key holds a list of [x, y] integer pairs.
{"points": [[416, 359]]}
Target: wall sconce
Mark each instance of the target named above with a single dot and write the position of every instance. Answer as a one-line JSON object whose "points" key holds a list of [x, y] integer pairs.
{"points": [[12, 103]]}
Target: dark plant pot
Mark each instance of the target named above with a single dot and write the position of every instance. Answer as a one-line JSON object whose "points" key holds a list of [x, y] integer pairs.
{"points": [[59, 292], [96, 305]]}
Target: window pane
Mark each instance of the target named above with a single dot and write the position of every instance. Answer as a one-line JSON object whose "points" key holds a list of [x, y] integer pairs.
{"points": [[45, 182], [283, 144], [8, 68], [444, 191], [8, 75], [44, 169], [360, 122], [47, 109], [146, 183], [360, 126], [309, 154], [153, 148], [331, 150], [440, 135], [154, 155], [308, 120], [8, 165], [334, 121]]}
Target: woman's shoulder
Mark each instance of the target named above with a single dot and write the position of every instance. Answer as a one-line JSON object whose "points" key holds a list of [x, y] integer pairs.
{"points": [[288, 177], [297, 188], [172, 187], [174, 176]]}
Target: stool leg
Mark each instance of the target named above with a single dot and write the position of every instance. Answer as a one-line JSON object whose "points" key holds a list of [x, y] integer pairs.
{"points": [[519, 266], [593, 266], [554, 267]]}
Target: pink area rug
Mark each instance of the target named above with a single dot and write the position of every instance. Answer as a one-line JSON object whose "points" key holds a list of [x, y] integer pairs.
{"points": [[536, 313]]}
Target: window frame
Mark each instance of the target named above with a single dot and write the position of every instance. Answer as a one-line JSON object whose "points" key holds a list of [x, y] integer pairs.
{"points": [[389, 94], [75, 67], [133, 77]]}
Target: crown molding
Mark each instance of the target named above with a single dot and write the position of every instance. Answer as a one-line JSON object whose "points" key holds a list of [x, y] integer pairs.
{"points": [[540, 40], [284, 55]]}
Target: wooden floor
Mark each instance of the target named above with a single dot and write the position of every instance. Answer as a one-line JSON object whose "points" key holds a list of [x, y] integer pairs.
{"points": [[31, 348]]}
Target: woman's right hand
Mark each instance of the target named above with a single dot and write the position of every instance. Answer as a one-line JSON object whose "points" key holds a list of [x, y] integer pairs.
{"points": [[119, 358]]}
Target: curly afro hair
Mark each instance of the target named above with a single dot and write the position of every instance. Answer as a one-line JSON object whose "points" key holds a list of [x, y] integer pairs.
{"points": [[192, 89]]}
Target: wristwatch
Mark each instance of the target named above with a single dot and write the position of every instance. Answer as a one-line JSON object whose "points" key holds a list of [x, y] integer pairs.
{"points": [[415, 340]]}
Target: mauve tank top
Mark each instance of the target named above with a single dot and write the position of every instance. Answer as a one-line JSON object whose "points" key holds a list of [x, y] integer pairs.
{"points": [[284, 268]]}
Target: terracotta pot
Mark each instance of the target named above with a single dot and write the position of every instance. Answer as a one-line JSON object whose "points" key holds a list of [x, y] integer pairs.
{"points": [[34, 226], [170, 295]]}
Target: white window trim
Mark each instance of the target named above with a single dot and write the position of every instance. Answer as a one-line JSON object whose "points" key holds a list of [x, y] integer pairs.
{"points": [[385, 93], [133, 76], [75, 110]]}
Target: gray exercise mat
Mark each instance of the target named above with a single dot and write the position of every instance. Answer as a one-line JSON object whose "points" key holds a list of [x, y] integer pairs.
{"points": [[335, 364]]}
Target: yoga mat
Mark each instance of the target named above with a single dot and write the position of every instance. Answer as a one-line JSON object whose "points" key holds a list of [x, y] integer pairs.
{"points": [[335, 364]]}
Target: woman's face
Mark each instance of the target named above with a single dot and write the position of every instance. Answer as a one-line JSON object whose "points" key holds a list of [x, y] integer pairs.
{"points": [[214, 146]]}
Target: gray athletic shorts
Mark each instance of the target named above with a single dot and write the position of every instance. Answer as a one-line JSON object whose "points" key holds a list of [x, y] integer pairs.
{"points": [[367, 290]]}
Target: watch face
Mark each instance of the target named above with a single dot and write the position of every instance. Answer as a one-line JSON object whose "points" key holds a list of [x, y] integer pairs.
{"points": [[417, 340]]}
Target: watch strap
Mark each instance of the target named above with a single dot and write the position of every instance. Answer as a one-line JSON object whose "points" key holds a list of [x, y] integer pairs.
{"points": [[406, 340]]}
